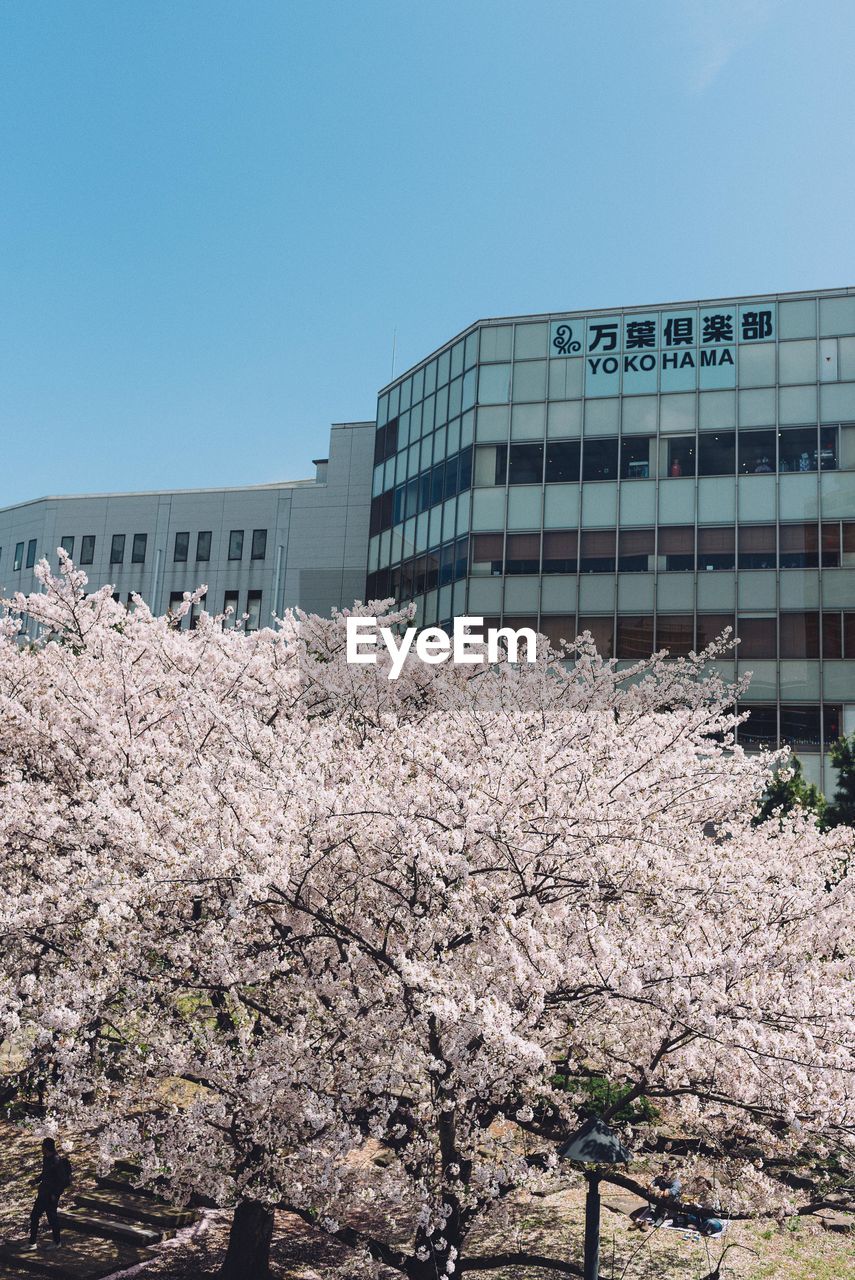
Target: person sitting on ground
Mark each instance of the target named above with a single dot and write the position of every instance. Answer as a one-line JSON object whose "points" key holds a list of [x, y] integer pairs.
{"points": [[51, 1182], [665, 1192]]}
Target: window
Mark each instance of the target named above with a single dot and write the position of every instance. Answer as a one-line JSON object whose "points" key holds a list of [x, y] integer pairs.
{"points": [[799, 546], [681, 456], [67, 544], [522, 553], [756, 452], [830, 544], [446, 564], [236, 538], [203, 545], [635, 457], [195, 609], [230, 608], [560, 550], [525, 464], [761, 727], [634, 635], [259, 544], [597, 551], [676, 633], [139, 548], [716, 548], [828, 449], [176, 598], [717, 453], [87, 548], [19, 556], [117, 548], [562, 461], [182, 545], [635, 550], [801, 726], [758, 637], [461, 555], [559, 627], [800, 634], [757, 546], [464, 479], [677, 547], [711, 626], [599, 459], [487, 553], [602, 633], [253, 609], [31, 553], [798, 448]]}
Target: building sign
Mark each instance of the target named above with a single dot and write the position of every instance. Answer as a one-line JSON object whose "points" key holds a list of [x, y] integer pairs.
{"points": [[663, 350]]}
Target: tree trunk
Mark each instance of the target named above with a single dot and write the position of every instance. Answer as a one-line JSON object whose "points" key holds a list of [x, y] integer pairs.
{"points": [[248, 1254]]}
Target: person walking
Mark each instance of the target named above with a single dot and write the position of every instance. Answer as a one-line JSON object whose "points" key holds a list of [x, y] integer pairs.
{"points": [[51, 1182]]}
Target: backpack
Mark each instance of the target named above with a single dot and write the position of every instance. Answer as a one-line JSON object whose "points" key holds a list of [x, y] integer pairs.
{"points": [[63, 1172]]}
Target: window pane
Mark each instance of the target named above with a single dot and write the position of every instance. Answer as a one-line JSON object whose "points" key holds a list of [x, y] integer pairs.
{"points": [[800, 635], [236, 535], [139, 547], [801, 727], [799, 546], [182, 542], [253, 609], [562, 461], [828, 448], [31, 553], [635, 550], [230, 602], [681, 456], [757, 546], [117, 548], [635, 457], [494, 384], [599, 459], [601, 630], [597, 551], [487, 553], [797, 449], [522, 553], [756, 452], [19, 555], [525, 464], [67, 544], [559, 627], [560, 551], [87, 548], [259, 544], [717, 453], [757, 638], [634, 636], [832, 635], [761, 727], [676, 633], [716, 548], [710, 627]]}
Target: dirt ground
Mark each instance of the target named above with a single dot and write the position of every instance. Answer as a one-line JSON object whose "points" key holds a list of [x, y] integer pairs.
{"points": [[551, 1225]]}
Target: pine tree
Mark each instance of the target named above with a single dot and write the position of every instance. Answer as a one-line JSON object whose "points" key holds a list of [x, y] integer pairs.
{"points": [[841, 810]]}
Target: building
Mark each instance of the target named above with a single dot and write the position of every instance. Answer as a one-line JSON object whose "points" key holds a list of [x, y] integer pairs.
{"points": [[259, 549], [651, 474]]}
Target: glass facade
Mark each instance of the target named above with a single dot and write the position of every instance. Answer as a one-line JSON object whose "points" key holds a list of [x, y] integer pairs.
{"points": [[651, 475]]}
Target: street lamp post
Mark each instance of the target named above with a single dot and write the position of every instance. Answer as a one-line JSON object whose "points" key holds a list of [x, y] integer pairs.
{"points": [[594, 1144]]}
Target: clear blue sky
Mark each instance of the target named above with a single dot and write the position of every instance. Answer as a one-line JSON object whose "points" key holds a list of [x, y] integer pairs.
{"points": [[214, 215]]}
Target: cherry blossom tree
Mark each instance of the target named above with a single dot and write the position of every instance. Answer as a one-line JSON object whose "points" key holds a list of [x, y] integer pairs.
{"points": [[260, 906]]}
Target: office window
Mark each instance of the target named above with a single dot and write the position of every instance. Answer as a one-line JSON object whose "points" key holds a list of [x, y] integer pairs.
{"points": [[446, 564], [429, 568], [602, 633], [716, 548], [828, 449], [525, 464], [677, 547], [196, 609], [800, 634], [230, 602], [717, 453], [259, 544], [711, 626], [67, 544], [635, 457], [253, 609], [681, 456], [236, 535], [562, 461], [756, 546], [597, 551], [461, 555], [139, 548], [801, 726], [599, 459], [182, 546], [19, 556], [761, 727], [487, 553], [559, 627], [522, 553], [176, 598], [31, 553], [87, 548], [799, 546], [464, 478], [756, 452], [635, 550], [117, 548], [676, 633], [830, 544], [634, 635], [203, 545], [798, 448], [560, 550], [758, 637], [832, 635]]}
